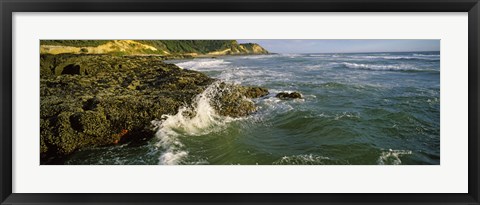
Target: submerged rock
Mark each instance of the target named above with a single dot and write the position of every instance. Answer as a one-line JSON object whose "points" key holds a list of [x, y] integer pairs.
{"points": [[113, 99], [286, 96]]}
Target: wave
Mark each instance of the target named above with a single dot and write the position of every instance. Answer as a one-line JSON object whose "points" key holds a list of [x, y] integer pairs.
{"points": [[319, 55], [222, 69], [432, 55], [336, 116], [291, 55], [272, 104], [392, 157], [308, 159], [378, 56], [257, 56], [399, 67], [195, 120], [408, 58], [200, 64], [349, 85], [347, 115], [396, 58]]}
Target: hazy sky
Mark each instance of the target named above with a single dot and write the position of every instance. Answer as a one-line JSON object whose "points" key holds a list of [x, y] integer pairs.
{"points": [[345, 46]]}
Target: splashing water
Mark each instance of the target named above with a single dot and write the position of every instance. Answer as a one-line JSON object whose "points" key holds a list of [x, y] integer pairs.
{"points": [[392, 157], [200, 119], [355, 108]]}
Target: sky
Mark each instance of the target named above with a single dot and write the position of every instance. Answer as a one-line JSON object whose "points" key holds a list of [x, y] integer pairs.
{"points": [[345, 46]]}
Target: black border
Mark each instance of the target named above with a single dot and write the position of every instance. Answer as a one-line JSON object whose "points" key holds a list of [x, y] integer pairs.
{"points": [[9, 6]]}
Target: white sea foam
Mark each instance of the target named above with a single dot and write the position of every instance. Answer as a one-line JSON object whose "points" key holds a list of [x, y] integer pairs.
{"points": [[257, 56], [308, 159], [201, 64], [398, 67], [367, 57], [272, 104], [405, 58], [170, 158], [433, 55], [240, 75], [252, 75], [319, 55], [234, 74], [203, 121], [392, 157], [291, 55], [347, 115], [392, 57]]}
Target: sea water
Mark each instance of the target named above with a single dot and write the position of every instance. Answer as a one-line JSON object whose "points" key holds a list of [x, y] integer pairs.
{"points": [[360, 108]]}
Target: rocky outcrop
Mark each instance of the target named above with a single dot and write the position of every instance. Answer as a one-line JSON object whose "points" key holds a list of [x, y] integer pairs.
{"points": [[232, 97], [102, 100], [291, 95]]}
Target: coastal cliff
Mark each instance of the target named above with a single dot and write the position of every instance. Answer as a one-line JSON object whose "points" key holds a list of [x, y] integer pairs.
{"points": [[191, 48]]}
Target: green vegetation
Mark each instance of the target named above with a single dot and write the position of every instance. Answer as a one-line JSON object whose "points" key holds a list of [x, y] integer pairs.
{"points": [[190, 46], [75, 43], [249, 46]]}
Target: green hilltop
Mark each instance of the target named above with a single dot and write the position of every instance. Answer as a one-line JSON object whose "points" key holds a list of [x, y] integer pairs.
{"points": [[160, 47]]}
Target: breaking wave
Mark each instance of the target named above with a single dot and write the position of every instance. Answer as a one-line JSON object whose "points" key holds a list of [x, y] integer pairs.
{"points": [[201, 64], [396, 57], [399, 67], [433, 55], [392, 157], [290, 55], [308, 159], [222, 69], [257, 56], [199, 119]]}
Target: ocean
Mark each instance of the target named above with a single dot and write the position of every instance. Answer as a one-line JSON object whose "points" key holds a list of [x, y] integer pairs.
{"points": [[357, 109]]}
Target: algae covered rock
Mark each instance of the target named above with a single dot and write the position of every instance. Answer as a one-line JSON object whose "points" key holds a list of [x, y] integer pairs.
{"points": [[234, 101], [255, 92], [286, 96], [113, 99]]}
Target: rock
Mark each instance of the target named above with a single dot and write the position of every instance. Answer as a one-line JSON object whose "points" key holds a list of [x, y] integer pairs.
{"points": [[230, 100], [286, 96], [113, 99], [255, 92], [91, 103]]}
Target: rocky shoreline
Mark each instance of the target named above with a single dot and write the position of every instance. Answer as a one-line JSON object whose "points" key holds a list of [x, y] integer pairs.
{"points": [[107, 100]]}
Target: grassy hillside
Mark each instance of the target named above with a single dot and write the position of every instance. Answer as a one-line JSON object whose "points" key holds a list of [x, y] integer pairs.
{"points": [[190, 46], [74, 43], [161, 47]]}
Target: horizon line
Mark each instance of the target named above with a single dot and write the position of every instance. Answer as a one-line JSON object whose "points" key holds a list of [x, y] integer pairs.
{"points": [[356, 52]]}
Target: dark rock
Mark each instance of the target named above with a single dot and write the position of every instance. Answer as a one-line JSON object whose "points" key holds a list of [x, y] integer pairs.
{"points": [[91, 103], [255, 92], [71, 69], [292, 95], [230, 100]]}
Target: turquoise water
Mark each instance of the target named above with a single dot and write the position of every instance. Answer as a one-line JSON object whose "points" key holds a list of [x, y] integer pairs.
{"points": [[363, 108]]}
